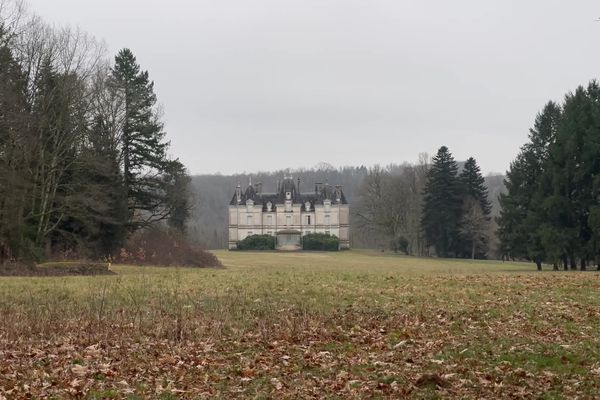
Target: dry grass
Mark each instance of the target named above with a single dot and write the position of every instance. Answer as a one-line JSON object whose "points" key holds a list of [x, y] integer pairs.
{"points": [[304, 325]]}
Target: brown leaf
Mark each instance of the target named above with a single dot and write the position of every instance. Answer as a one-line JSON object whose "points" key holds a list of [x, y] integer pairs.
{"points": [[432, 380]]}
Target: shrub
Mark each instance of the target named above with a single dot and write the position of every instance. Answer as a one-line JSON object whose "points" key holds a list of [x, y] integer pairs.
{"points": [[160, 246], [320, 242], [257, 242]]}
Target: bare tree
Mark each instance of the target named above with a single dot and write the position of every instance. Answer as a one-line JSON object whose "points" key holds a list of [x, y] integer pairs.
{"points": [[474, 226], [390, 205]]}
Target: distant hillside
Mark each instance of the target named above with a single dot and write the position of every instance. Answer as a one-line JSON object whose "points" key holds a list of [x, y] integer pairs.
{"points": [[213, 193]]}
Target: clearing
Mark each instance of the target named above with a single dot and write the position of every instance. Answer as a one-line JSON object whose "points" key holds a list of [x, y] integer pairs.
{"points": [[355, 324]]}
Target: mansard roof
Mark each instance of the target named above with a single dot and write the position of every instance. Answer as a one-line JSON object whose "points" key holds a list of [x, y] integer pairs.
{"points": [[322, 192]]}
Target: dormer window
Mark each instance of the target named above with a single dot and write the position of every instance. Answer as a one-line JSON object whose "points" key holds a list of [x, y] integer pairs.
{"points": [[288, 205], [327, 204], [250, 204], [288, 195], [307, 206], [269, 206]]}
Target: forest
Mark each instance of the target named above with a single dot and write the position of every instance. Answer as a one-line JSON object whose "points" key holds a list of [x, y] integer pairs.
{"points": [[83, 152], [551, 211]]}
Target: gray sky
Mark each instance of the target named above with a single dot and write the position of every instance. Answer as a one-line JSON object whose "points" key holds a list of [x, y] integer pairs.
{"points": [[252, 85]]}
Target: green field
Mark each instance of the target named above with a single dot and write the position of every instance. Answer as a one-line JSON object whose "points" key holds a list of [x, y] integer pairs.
{"points": [[353, 324]]}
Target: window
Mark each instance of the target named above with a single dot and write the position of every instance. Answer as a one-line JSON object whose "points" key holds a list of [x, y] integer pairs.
{"points": [[327, 204], [250, 233], [288, 195], [288, 220], [270, 233], [308, 219], [250, 220], [328, 232], [288, 205], [249, 205], [327, 219], [269, 220]]}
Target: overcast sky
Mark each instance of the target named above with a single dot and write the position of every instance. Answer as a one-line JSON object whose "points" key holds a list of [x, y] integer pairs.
{"points": [[251, 85]]}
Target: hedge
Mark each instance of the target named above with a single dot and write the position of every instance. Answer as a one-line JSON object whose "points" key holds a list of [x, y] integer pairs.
{"points": [[257, 242], [320, 242]]}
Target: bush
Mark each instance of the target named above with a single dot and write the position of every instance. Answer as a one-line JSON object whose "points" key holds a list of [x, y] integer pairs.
{"points": [[257, 242], [320, 242], [160, 246]]}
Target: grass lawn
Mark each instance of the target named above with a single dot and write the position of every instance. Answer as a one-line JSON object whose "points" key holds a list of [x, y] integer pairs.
{"points": [[355, 324]]}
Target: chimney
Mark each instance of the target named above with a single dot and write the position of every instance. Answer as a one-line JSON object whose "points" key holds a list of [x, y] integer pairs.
{"points": [[238, 193], [338, 193]]}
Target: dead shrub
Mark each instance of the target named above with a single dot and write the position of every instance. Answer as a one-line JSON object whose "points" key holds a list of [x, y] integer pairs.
{"points": [[158, 246]]}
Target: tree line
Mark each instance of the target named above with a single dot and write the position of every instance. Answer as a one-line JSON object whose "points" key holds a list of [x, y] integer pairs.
{"points": [[83, 154], [551, 211], [428, 207], [212, 193]]}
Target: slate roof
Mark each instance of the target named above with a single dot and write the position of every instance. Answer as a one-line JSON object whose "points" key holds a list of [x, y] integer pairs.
{"points": [[322, 192]]}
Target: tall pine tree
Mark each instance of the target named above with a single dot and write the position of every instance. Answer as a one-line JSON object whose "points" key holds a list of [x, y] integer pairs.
{"points": [[476, 210], [143, 147], [474, 186], [443, 205], [520, 218]]}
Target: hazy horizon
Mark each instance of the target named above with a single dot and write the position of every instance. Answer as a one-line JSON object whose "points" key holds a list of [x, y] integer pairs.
{"points": [[269, 85]]}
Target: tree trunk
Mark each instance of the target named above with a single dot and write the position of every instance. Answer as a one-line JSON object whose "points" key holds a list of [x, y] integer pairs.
{"points": [[565, 263], [583, 264], [555, 267], [538, 263], [473, 251], [573, 263]]}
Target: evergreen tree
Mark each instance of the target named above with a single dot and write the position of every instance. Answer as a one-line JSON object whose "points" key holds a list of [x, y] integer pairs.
{"points": [[142, 142], [511, 231], [107, 214], [15, 137], [594, 224], [520, 216], [178, 195], [476, 210], [567, 202], [473, 185], [443, 205]]}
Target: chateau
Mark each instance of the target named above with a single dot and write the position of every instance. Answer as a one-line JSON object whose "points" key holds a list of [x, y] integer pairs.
{"points": [[289, 214]]}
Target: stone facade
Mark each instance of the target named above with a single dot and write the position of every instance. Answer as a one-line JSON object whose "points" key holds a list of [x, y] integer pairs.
{"points": [[252, 212]]}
